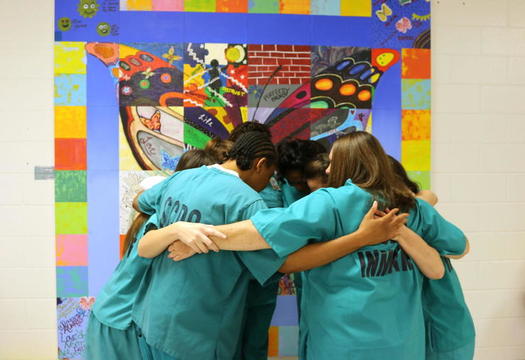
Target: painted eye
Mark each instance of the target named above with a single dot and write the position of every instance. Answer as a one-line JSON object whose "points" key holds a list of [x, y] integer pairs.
{"points": [[126, 90], [144, 84], [93, 6], [165, 78], [146, 57], [364, 95], [86, 6], [135, 62], [347, 89], [324, 84], [125, 66]]}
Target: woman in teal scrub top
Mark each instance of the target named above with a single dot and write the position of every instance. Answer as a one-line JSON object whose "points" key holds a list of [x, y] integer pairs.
{"points": [[366, 305], [450, 332], [111, 334]]}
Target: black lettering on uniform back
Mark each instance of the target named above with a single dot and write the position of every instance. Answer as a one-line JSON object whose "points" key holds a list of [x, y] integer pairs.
{"points": [[167, 210], [372, 258], [362, 262], [194, 216], [383, 264], [183, 213]]}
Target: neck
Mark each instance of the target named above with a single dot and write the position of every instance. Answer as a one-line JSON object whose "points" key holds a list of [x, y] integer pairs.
{"points": [[231, 165]]}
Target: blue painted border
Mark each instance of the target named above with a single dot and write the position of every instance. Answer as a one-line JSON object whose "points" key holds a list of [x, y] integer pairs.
{"points": [[102, 174]]}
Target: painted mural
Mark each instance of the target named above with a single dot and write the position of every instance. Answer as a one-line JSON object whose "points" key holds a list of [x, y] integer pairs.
{"points": [[138, 82]]}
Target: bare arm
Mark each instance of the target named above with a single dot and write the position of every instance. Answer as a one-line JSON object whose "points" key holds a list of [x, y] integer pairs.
{"points": [[371, 231], [195, 235], [428, 196], [431, 198], [425, 256]]}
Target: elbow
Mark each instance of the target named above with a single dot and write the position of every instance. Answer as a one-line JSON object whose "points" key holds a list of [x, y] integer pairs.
{"points": [[288, 268], [437, 273], [142, 251]]}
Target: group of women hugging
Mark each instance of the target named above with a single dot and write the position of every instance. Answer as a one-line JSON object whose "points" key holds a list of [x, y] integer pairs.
{"points": [[371, 257]]}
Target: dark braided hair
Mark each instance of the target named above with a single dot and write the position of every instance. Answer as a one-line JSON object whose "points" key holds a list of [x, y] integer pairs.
{"points": [[250, 146], [294, 154], [249, 126]]}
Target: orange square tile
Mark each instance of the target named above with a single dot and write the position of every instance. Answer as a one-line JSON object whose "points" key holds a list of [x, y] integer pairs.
{"points": [[295, 7], [415, 125], [416, 64], [273, 341], [232, 6], [122, 239], [70, 154]]}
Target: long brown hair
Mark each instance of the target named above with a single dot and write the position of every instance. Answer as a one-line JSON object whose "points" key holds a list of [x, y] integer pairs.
{"points": [[360, 157], [134, 228]]}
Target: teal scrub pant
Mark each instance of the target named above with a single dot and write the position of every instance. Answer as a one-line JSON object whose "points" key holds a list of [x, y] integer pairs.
{"points": [[463, 353], [150, 352], [260, 305], [104, 342]]}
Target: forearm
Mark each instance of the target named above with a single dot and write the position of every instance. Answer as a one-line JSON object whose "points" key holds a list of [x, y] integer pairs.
{"points": [[322, 253], [426, 257], [154, 242], [240, 236]]}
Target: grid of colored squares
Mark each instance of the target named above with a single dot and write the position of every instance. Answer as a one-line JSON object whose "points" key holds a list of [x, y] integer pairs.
{"points": [[70, 170], [415, 119], [300, 7]]}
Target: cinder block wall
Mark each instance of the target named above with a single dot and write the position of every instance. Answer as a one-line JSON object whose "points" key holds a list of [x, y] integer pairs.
{"points": [[478, 150], [478, 168]]}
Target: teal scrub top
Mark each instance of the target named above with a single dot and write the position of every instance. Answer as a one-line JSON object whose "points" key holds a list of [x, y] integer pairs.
{"points": [[366, 305], [272, 194], [290, 193], [261, 300], [115, 301], [193, 309], [448, 321]]}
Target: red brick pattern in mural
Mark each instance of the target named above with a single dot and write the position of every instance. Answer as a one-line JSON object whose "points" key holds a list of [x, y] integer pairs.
{"points": [[264, 59]]}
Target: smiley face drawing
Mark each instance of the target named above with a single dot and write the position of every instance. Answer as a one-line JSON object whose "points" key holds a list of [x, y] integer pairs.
{"points": [[64, 24], [103, 29], [88, 8]]}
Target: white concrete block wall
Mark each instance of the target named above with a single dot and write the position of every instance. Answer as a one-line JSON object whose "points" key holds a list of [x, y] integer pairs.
{"points": [[27, 246], [478, 147]]}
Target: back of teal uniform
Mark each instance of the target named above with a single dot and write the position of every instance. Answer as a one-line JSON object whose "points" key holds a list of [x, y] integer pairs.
{"points": [[115, 301], [366, 305], [193, 309], [449, 325], [261, 299], [110, 334]]}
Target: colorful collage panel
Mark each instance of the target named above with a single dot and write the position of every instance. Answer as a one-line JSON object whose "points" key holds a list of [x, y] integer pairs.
{"points": [[415, 118], [297, 7], [71, 197]]}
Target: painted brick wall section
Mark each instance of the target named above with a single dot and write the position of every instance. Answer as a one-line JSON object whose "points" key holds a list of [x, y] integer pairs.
{"points": [[264, 59], [478, 169]]}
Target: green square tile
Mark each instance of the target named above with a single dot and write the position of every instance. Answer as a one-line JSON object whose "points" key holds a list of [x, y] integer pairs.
{"points": [[200, 5], [71, 217], [195, 137], [420, 177], [70, 186], [263, 6]]}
